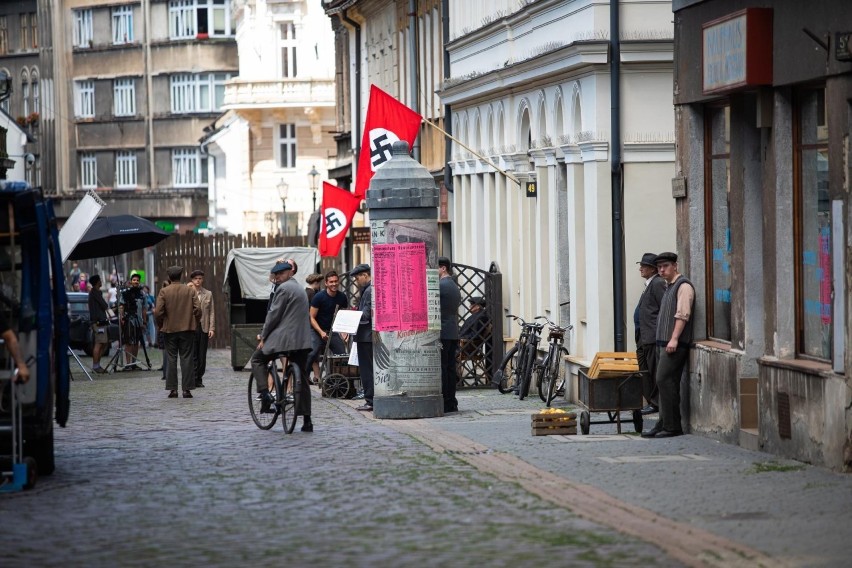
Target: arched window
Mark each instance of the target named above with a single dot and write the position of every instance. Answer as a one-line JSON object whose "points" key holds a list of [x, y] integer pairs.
{"points": [[25, 93], [36, 97], [524, 130]]}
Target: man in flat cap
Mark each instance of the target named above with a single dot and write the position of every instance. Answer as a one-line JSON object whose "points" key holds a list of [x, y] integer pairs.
{"points": [[474, 333], [206, 329], [645, 321], [177, 313], [364, 334], [286, 331], [450, 302], [674, 335]]}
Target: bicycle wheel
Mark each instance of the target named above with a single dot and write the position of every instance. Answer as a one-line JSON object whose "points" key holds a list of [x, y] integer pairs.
{"points": [[559, 378], [525, 374], [287, 398], [544, 380], [263, 420], [504, 378]]}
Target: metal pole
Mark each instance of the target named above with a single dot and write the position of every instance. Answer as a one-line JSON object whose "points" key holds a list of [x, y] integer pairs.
{"points": [[617, 180], [284, 219]]}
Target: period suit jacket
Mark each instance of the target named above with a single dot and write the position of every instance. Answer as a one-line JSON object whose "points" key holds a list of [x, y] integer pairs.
{"points": [[648, 310], [288, 321], [208, 317], [364, 334], [177, 309]]}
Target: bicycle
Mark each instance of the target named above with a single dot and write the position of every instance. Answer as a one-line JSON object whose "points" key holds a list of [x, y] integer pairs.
{"points": [[284, 403], [516, 368], [548, 377]]}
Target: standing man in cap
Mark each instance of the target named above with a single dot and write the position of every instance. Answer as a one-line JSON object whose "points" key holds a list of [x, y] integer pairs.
{"points": [[177, 313], [286, 331], [206, 329], [364, 334], [474, 333], [450, 302], [645, 320], [674, 335]]}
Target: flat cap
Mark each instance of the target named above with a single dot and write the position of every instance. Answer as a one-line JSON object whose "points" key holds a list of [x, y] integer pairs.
{"points": [[195, 273], [280, 267], [666, 257], [648, 259], [360, 269], [477, 300]]}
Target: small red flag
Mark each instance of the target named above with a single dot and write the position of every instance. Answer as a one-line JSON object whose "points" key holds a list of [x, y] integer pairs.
{"points": [[388, 120], [338, 208]]}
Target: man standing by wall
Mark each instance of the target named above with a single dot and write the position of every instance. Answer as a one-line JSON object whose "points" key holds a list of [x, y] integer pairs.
{"points": [[364, 335], [99, 320], [177, 313], [450, 302], [322, 316], [645, 320], [674, 335], [285, 330], [204, 332]]}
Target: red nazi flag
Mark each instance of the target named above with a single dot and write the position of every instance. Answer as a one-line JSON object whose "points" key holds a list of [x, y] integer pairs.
{"points": [[338, 208], [388, 120]]}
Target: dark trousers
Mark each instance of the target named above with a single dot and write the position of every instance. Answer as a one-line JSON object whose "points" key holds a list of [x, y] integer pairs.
{"points": [[365, 369], [449, 374], [179, 344], [199, 353], [301, 390], [669, 371], [647, 357]]}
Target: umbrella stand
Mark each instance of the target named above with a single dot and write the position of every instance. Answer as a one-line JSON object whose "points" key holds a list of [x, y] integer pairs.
{"points": [[121, 352]]}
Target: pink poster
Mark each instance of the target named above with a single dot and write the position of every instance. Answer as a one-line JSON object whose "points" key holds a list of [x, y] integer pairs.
{"points": [[399, 282]]}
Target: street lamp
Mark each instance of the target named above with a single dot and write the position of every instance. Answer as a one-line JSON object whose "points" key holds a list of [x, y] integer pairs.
{"points": [[314, 175], [283, 188]]}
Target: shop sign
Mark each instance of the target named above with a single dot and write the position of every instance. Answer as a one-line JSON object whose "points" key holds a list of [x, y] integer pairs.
{"points": [[737, 51], [360, 235]]}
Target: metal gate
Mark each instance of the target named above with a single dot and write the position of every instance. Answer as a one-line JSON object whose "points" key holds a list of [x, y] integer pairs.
{"points": [[480, 353]]}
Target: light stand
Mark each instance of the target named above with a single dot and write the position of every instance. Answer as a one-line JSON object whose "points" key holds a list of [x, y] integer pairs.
{"points": [[119, 357], [314, 175], [283, 189]]}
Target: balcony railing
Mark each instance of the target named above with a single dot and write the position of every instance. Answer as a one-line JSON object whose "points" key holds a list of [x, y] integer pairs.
{"points": [[240, 93]]}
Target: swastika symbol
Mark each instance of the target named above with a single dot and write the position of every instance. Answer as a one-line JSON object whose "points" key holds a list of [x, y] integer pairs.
{"points": [[381, 142], [332, 222]]}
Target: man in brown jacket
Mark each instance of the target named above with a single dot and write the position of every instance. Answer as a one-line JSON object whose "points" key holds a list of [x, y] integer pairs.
{"points": [[205, 331], [178, 312]]}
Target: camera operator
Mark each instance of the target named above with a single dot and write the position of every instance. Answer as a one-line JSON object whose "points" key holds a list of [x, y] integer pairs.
{"points": [[134, 319]]}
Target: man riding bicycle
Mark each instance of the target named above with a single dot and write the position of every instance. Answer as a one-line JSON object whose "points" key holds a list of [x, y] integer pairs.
{"points": [[286, 330]]}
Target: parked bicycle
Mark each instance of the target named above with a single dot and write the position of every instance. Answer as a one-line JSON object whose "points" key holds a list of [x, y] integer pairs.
{"points": [[549, 377], [281, 389], [515, 372]]}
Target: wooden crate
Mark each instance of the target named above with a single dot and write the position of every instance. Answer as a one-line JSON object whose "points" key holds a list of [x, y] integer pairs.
{"points": [[553, 424], [613, 364]]}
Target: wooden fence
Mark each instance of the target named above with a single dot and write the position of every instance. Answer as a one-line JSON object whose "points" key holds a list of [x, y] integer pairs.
{"points": [[208, 253]]}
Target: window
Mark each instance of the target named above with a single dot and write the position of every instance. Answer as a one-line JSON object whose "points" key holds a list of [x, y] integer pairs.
{"points": [[36, 100], [83, 28], [4, 36], [124, 97], [286, 145], [288, 49], [717, 190], [198, 93], [25, 31], [25, 93], [122, 25], [125, 170], [812, 226], [34, 30], [88, 171], [84, 101], [189, 168], [190, 19]]}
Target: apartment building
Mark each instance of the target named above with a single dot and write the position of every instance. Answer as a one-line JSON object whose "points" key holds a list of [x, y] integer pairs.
{"points": [[128, 88]]}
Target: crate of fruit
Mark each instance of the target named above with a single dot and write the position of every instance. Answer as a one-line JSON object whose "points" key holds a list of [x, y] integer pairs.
{"points": [[553, 421]]}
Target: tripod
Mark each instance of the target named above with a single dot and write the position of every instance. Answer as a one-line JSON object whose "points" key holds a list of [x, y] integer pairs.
{"points": [[134, 337]]}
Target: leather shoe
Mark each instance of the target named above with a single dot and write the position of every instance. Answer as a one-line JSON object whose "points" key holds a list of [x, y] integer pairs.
{"points": [[199, 385], [187, 394], [365, 407], [650, 409], [669, 433], [652, 433], [172, 394]]}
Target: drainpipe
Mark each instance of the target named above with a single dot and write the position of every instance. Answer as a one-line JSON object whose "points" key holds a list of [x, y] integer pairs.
{"points": [[448, 111], [356, 118], [617, 180], [414, 70], [149, 95]]}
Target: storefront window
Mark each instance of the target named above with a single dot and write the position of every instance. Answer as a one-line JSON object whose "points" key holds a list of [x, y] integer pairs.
{"points": [[717, 192], [813, 227]]}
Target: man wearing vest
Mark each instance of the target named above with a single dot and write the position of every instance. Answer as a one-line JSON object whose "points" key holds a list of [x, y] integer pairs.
{"points": [[645, 320], [674, 335]]}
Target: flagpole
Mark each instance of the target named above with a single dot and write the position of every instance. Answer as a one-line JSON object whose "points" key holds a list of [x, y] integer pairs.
{"points": [[472, 151]]}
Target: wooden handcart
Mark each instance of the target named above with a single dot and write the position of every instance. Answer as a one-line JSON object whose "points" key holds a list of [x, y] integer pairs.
{"points": [[611, 385]]}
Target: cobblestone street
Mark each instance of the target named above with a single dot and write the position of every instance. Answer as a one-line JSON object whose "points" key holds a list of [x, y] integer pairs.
{"points": [[142, 479]]}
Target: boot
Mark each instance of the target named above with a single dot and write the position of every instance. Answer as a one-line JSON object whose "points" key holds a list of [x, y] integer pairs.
{"points": [[307, 425]]}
